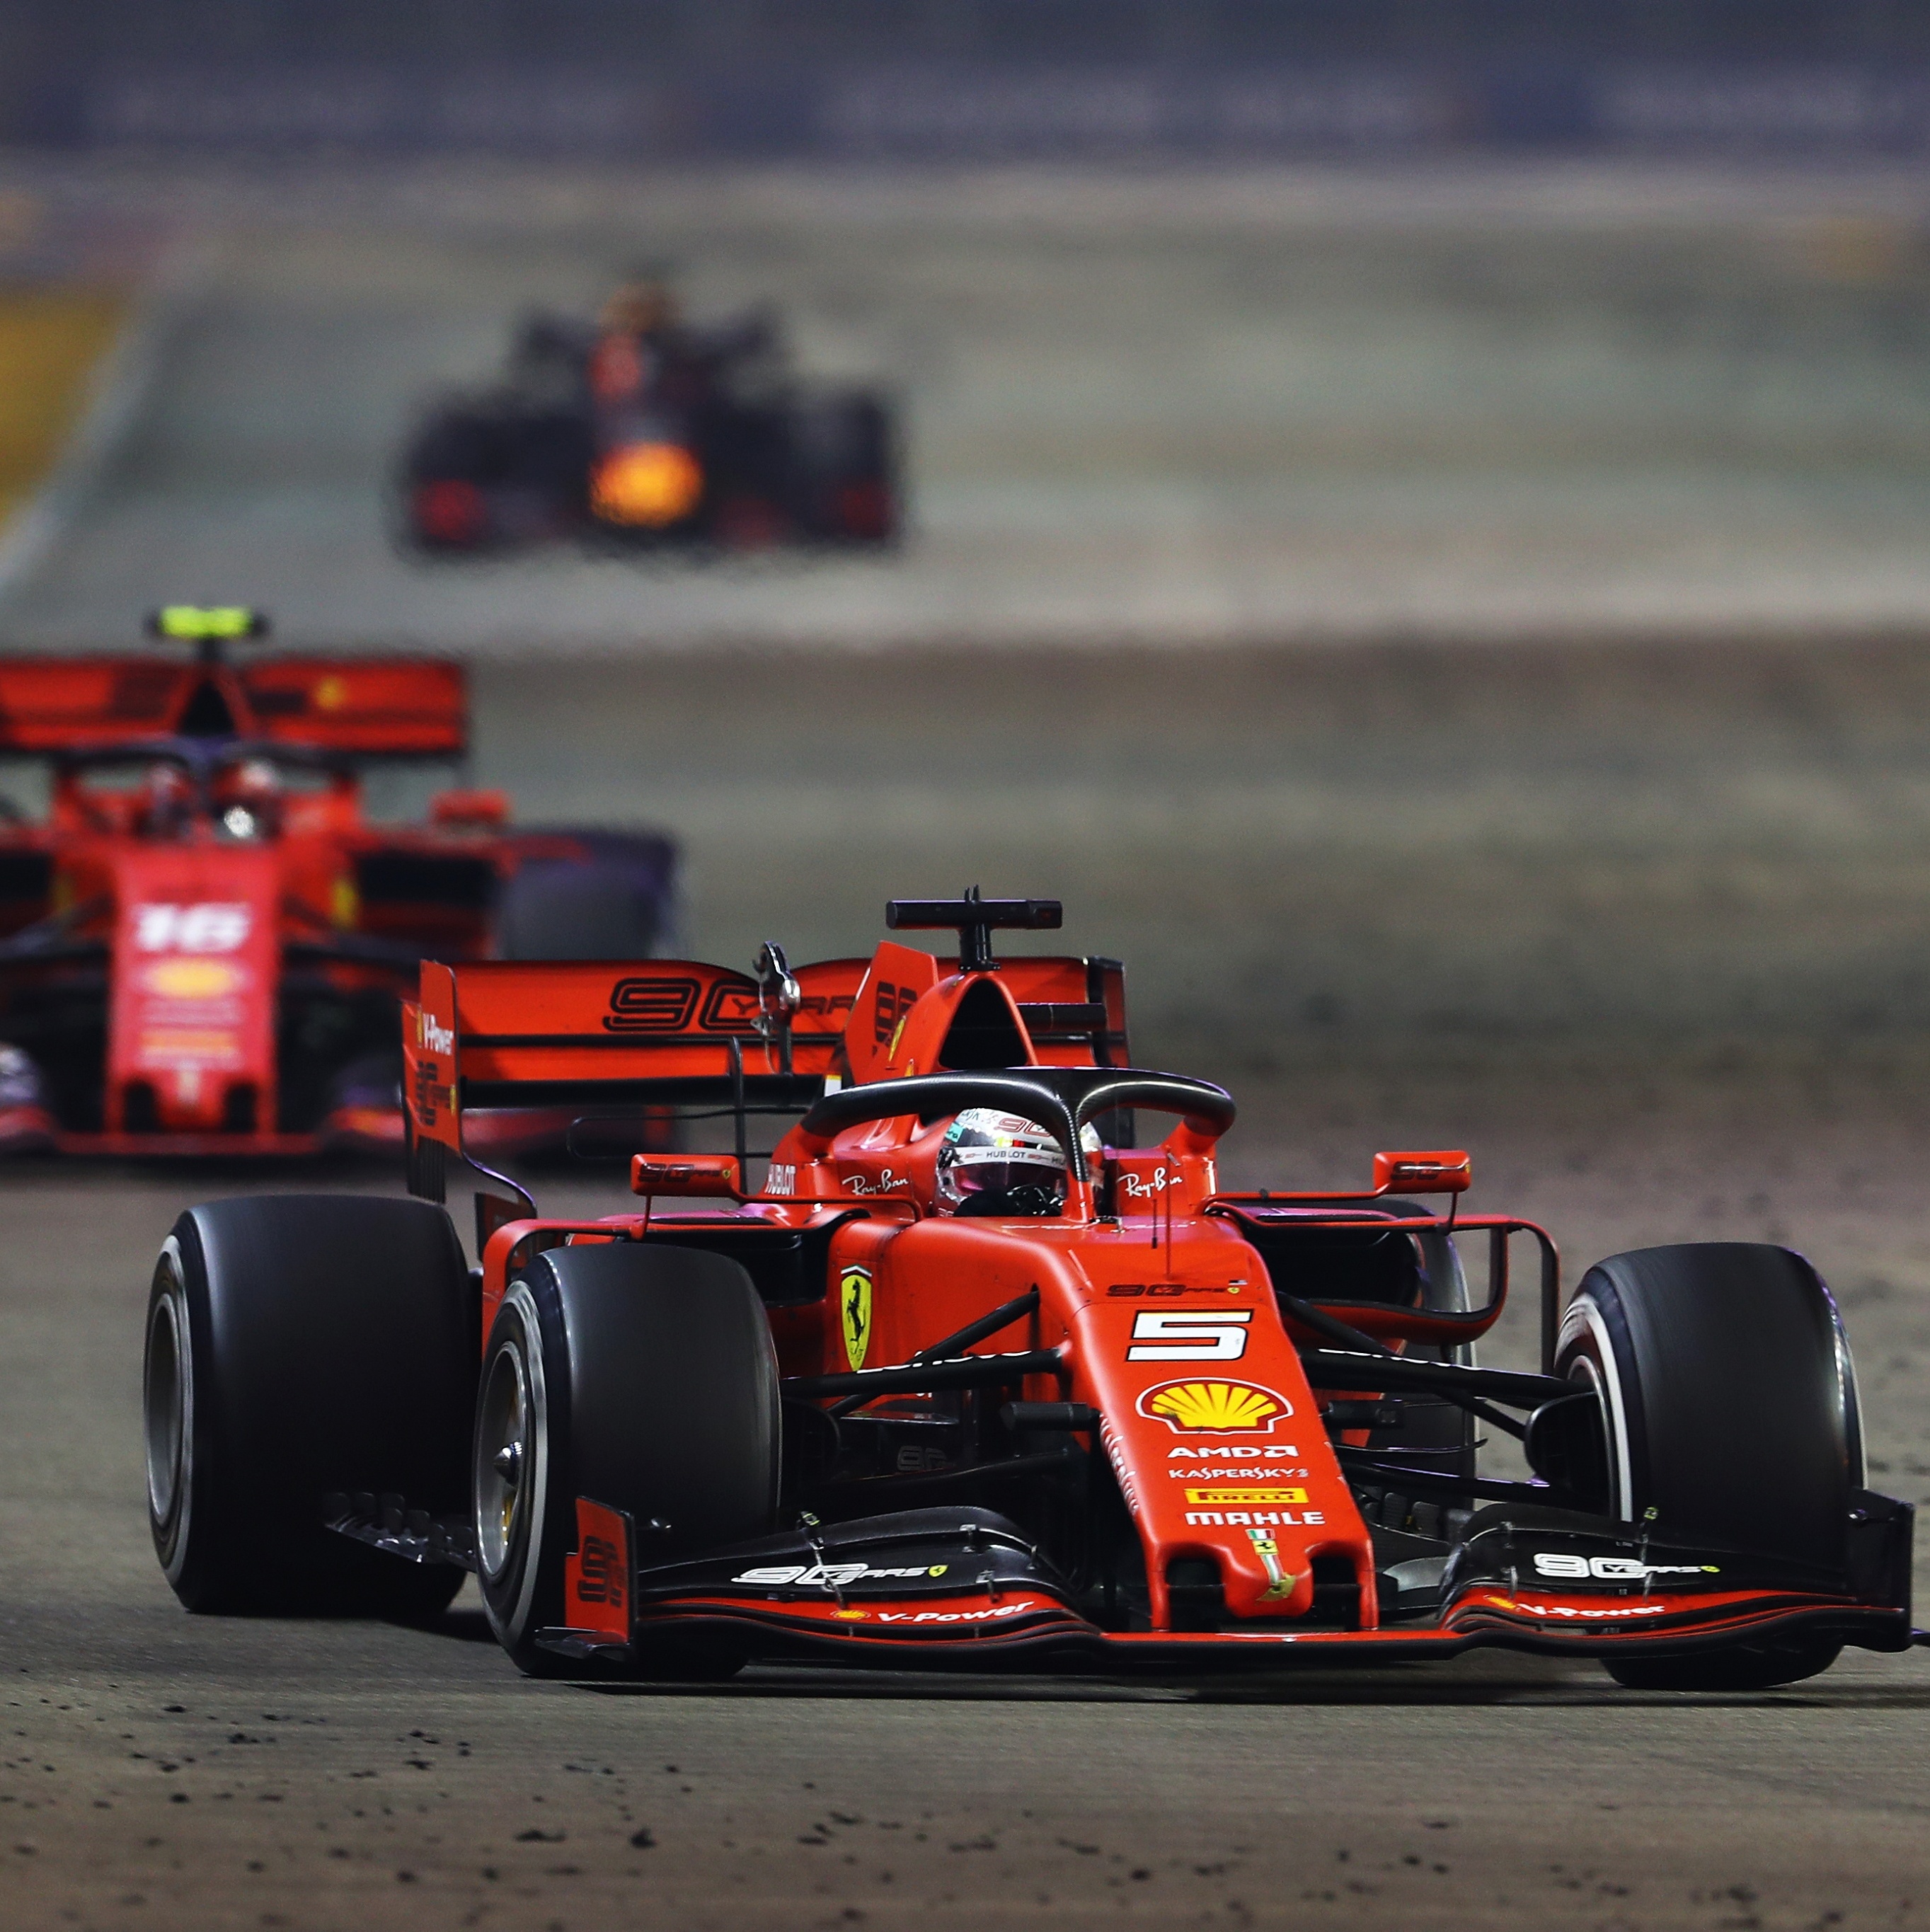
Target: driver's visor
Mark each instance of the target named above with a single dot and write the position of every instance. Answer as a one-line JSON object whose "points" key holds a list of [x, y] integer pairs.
{"points": [[1001, 1177]]}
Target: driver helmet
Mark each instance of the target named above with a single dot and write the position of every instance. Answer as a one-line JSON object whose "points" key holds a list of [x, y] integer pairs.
{"points": [[250, 798], [645, 307], [166, 801], [993, 1162]]}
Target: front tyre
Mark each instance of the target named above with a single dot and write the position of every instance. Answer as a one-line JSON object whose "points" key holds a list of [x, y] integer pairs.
{"points": [[298, 1344], [170, 1418], [1729, 1408], [522, 1535], [1739, 1666], [641, 1377]]}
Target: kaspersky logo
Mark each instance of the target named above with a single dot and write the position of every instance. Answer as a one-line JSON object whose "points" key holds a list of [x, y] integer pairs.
{"points": [[1215, 1408]]}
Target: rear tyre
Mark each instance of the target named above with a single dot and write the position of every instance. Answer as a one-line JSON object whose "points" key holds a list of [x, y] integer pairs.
{"points": [[843, 481], [639, 1377], [614, 901], [1729, 1407], [298, 1344]]}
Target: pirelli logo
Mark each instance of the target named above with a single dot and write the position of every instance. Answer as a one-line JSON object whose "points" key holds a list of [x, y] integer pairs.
{"points": [[1286, 1498], [651, 1005]]}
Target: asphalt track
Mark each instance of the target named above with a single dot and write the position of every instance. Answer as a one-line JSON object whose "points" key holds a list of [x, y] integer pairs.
{"points": [[169, 1771], [1640, 921], [1205, 407]]}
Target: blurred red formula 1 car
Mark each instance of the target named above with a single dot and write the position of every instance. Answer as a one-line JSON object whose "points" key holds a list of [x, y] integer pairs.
{"points": [[975, 1379], [203, 943]]}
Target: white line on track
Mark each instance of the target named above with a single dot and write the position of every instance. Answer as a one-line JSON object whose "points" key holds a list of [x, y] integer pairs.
{"points": [[116, 391]]}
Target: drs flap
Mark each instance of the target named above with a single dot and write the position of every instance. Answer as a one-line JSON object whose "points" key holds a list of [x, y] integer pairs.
{"points": [[370, 707]]}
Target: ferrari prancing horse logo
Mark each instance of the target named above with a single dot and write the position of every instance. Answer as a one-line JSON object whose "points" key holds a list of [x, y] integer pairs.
{"points": [[854, 1305]]}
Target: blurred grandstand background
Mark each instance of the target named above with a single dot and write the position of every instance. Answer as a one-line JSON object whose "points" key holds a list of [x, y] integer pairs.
{"points": [[983, 79], [1520, 415]]}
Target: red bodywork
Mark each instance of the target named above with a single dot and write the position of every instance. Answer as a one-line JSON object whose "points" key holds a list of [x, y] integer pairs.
{"points": [[159, 969], [1155, 1306]]}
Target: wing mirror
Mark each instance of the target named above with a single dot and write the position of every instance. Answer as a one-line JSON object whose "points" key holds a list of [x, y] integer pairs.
{"points": [[461, 805], [1442, 1172], [703, 1176]]}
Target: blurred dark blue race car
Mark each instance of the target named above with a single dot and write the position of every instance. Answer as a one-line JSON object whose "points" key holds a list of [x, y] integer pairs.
{"points": [[640, 426]]}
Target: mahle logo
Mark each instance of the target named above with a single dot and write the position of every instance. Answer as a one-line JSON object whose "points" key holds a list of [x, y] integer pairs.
{"points": [[1215, 1408], [854, 1309]]}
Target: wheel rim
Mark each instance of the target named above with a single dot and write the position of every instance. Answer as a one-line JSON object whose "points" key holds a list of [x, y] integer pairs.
{"points": [[167, 1409], [1585, 1355], [504, 1466]]}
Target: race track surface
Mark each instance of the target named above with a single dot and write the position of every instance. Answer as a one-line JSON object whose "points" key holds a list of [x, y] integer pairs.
{"points": [[1641, 920], [167, 1770], [1213, 407]]}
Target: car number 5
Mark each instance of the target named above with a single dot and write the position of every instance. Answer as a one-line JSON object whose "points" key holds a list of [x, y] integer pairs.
{"points": [[1164, 1335]]}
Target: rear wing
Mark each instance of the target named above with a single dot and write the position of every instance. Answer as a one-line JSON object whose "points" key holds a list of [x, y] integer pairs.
{"points": [[571, 1035], [580, 1035], [368, 707]]}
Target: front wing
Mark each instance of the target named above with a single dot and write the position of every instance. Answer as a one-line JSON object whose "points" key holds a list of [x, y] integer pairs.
{"points": [[962, 1586]]}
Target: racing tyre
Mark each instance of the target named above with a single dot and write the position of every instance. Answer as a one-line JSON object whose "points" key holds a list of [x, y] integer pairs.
{"points": [[639, 1377], [615, 902], [1729, 1405], [296, 1345]]}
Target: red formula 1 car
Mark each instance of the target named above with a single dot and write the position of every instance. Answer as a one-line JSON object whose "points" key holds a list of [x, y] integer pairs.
{"points": [[203, 944], [976, 1377]]}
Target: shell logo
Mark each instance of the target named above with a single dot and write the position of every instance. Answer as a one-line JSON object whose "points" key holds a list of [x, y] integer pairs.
{"points": [[1215, 1408], [194, 978]]}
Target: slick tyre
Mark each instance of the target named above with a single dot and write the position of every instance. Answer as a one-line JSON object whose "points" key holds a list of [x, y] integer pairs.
{"points": [[298, 1344], [639, 1377], [616, 901], [1729, 1407]]}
